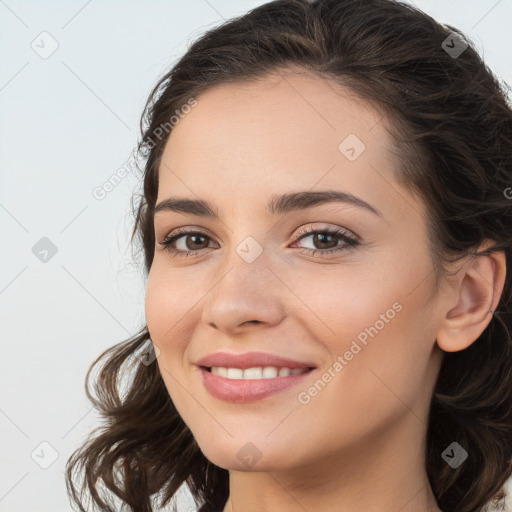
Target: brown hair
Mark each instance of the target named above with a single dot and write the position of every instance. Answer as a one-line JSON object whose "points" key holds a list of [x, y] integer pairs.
{"points": [[451, 121]]}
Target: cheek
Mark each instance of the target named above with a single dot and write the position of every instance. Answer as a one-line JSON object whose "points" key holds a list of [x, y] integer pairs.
{"points": [[169, 301], [167, 309], [156, 303], [341, 305], [381, 331], [165, 316]]}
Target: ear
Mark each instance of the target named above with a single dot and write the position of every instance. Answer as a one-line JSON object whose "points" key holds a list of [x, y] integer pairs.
{"points": [[471, 301]]}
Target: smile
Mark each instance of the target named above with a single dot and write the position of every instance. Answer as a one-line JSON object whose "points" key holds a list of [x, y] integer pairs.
{"points": [[250, 384], [259, 372]]}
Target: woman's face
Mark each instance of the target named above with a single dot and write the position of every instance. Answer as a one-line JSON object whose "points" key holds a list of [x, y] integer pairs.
{"points": [[363, 314]]}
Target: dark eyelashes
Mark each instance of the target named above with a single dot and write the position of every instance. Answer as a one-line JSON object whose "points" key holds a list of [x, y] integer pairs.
{"points": [[349, 241]]}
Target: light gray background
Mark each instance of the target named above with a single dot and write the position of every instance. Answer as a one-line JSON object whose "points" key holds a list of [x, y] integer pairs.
{"points": [[68, 122]]}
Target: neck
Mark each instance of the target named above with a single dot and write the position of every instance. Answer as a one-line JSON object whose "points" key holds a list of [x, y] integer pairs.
{"points": [[380, 474]]}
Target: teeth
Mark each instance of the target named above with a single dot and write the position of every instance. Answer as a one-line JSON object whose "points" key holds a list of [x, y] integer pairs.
{"points": [[267, 372], [234, 373]]}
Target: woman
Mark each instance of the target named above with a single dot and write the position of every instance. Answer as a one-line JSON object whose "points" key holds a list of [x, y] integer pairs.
{"points": [[326, 224]]}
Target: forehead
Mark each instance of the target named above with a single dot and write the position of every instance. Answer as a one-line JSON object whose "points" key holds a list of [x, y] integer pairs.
{"points": [[290, 110], [286, 131]]}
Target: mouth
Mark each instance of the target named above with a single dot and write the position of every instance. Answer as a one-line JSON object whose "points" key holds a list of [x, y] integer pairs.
{"points": [[251, 384], [255, 373]]}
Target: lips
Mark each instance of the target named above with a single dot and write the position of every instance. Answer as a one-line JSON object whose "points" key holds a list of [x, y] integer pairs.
{"points": [[242, 390], [251, 360]]}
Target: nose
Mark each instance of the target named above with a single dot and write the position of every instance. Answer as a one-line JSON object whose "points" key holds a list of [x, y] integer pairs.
{"points": [[247, 296]]}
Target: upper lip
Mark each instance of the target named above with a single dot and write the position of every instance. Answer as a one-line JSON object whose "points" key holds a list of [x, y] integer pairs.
{"points": [[250, 360]]}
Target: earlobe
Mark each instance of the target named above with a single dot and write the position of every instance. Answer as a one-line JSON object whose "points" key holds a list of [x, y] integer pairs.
{"points": [[477, 295]]}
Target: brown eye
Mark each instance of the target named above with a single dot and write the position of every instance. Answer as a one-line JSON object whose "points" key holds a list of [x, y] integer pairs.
{"points": [[194, 241], [185, 243], [325, 240]]}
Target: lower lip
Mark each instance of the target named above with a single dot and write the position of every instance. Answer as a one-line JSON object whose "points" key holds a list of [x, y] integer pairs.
{"points": [[248, 390]]}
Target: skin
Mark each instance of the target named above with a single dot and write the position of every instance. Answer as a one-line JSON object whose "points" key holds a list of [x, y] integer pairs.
{"points": [[359, 443]]}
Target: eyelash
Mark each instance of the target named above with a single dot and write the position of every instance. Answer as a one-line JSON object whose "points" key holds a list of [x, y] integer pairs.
{"points": [[350, 241]]}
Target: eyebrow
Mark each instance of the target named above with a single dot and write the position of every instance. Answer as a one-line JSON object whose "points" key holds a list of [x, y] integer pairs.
{"points": [[278, 204]]}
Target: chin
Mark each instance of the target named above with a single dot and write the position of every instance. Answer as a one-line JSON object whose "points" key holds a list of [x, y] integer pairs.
{"points": [[244, 456]]}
